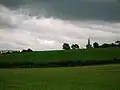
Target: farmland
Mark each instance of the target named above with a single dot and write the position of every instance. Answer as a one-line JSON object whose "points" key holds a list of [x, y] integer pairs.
{"points": [[60, 58], [101, 77], [62, 55]]}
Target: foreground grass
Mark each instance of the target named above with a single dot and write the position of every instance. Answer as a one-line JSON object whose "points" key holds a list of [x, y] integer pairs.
{"points": [[104, 77], [62, 55]]}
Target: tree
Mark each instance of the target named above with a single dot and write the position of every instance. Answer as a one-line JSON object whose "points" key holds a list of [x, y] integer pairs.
{"points": [[117, 42], [95, 45], [73, 46], [29, 50], [66, 46], [105, 45], [77, 46], [23, 50], [112, 45]]}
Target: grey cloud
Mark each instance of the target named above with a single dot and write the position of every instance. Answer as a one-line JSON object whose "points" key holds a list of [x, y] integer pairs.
{"points": [[51, 33], [14, 3], [71, 22], [108, 10]]}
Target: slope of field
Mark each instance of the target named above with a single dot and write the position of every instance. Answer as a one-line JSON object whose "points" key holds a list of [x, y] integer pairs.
{"points": [[104, 77], [63, 55]]}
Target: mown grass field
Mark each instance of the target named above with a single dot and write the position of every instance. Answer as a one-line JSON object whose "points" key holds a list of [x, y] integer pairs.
{"points": [[62, 55], [103, 77]]}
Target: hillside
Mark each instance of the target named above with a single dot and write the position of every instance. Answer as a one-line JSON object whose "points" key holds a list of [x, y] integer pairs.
{"points": [[62, 55]]}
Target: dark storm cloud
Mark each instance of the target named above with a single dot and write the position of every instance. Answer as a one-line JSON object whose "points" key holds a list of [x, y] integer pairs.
{"points": [[72, 9], [86, 10], [13, 2]]}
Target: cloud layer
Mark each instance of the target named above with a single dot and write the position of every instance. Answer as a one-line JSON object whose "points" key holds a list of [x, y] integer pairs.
{"points": [[50, 26]]}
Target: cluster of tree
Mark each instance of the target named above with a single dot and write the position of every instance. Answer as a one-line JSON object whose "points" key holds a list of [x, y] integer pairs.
{"points": [[28, 50], [10, 52], [105, 45], [66, 46]]}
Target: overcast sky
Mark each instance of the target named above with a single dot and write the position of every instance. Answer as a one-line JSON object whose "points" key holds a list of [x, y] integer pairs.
{"points": [[47, 24]]}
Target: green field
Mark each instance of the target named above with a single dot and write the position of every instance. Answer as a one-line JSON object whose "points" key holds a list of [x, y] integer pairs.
{"points": [[62, 55], [104, 77]]}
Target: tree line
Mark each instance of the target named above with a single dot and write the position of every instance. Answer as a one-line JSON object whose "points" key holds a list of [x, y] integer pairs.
{"points": [[12, 51], [106, 45], [66, 46]]}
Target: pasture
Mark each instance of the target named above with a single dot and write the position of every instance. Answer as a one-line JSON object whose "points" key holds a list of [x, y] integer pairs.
{"points": [[62, 55], [102, 77]]}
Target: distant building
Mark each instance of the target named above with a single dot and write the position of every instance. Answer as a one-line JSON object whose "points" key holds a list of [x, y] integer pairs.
{"points": [[88, 45]]}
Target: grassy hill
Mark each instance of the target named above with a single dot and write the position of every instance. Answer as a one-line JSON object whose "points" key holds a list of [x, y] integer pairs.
{"points": [[103, 77], [62, 55]]}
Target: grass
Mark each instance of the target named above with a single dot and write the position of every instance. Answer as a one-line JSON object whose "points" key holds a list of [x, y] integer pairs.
{"points": [[103, 77], [62, 55]]}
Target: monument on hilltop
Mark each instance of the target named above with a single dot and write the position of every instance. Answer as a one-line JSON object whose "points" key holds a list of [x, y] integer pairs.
{"points": [[88, 45]]}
